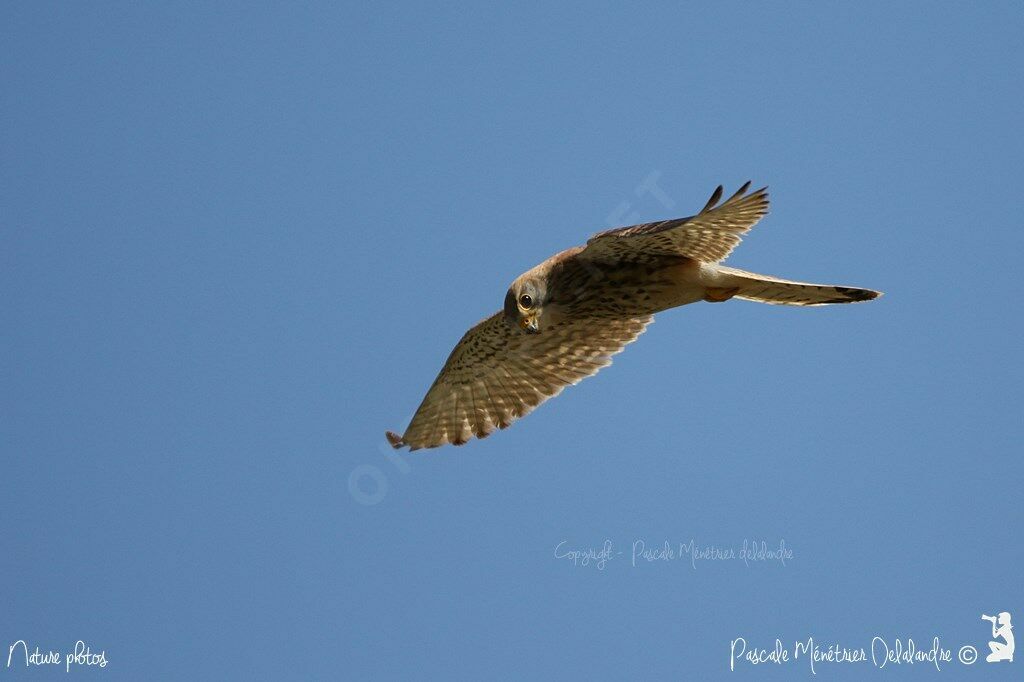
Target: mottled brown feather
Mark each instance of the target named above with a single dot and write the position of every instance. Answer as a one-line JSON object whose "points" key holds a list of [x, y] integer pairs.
{"points": [[709, 236], [496, 374]]}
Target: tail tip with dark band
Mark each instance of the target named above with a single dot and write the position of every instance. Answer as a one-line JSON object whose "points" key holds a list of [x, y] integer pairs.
{"points": [[854, 295]]}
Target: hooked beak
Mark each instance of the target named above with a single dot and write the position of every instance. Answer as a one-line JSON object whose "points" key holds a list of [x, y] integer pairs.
{"points": [[529, 325]]}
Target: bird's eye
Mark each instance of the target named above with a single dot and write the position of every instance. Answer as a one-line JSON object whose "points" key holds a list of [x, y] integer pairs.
{"points": [[526, 301]]}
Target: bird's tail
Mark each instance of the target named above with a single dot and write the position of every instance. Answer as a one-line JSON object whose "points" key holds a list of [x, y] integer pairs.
{"points": [[765, 289]]}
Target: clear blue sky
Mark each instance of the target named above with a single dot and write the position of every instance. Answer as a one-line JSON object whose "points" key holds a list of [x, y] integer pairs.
{"points": [[238, 242]]}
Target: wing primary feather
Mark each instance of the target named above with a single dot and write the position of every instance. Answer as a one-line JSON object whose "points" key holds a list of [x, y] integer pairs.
{"points": [[739, 192], [715, 196]]}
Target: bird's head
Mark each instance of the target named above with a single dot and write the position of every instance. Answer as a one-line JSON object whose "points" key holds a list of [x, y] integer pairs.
{"points": [[524, 303]]}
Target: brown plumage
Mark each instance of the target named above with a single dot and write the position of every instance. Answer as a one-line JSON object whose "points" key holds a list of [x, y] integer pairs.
{"points": [[563, 320]]}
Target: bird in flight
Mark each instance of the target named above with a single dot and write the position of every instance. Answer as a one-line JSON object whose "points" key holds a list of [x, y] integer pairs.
{"points": [[564, 319]]}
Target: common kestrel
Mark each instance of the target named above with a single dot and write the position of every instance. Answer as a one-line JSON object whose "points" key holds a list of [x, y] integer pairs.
{"points": [[564, 319]]}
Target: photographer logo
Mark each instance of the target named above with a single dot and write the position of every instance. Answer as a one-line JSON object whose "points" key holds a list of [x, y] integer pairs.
{"points": [[1001, 629]]}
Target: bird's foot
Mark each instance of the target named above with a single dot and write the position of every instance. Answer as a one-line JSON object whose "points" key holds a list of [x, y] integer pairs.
{"points": [[719, 294]]}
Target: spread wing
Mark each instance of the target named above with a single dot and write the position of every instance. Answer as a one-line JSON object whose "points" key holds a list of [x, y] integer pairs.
{"points": [[496, 374], [709, 236]]}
